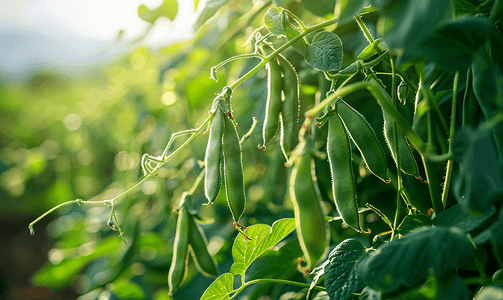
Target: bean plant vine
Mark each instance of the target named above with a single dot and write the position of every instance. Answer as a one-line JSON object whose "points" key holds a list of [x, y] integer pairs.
{"points": [[450, 71]]}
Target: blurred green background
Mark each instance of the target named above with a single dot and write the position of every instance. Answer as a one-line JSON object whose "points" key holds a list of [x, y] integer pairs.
{"points": [[80, 133]]}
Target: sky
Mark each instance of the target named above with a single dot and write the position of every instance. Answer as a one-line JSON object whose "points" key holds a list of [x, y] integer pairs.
{"points": [[72, 34]]}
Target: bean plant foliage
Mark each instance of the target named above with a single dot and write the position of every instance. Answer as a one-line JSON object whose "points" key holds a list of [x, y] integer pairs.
{"points": [[340, 150]]}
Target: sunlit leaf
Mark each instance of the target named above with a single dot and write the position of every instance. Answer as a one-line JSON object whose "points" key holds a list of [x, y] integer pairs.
{"points": [[208, 11], [490, 292], [168, 9], [125, 289], [220, 288], [262, 238]]}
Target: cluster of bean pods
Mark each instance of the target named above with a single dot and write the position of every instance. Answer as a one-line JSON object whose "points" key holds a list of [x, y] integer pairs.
{"points": [[281, 112], [344, 123], [189, 238], [224, 148]]}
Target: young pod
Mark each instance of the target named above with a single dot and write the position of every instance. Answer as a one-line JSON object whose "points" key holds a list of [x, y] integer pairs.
{"points": [[178, 266], [343, 182], [365, 139], [233, 171], [199, 250], [408, 163], [290, 107], [309, 215], [274, 98], [213, 156]]}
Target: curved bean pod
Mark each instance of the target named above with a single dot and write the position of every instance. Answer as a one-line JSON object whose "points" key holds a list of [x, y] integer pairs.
{"points": [[290, 107], [309, 215], [365, 139], [343, 182], [213, 156], [199, 250], [274, 99], [408, 163], [233, 170], [178, 266]]}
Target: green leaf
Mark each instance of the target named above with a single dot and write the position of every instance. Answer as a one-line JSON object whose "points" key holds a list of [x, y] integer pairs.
{"points": [[208, 11], [413, 222], [456, 216], [490, 292], [322, 296], [272, 20], [479, 179], [300, 45], [262, 238], [454, 45], [407, 24], [321, 7], [407, 261], [220, 288], [325, 52], [450, 288], [370, 294], [346, 10], [168, 9], [342, 278], [127, 290]]}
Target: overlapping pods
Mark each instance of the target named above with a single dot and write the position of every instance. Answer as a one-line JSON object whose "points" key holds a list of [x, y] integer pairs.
{"points": [[408, 163], [223, 146], [282, 107], [189, 236], [309, 215], [344, 122]]}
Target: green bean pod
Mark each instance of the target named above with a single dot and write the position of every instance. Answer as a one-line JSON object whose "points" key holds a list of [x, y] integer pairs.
{"points": [[199, 250], [309, 215], [212, 179], [233, 170], [274, 99], [290, 107], [178, 266], [365, 139], [408, 163], [343, 182]]}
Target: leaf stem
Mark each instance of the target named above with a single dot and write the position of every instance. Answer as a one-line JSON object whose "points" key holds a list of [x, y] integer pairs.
{"points": [[283, 47], [448, 173], [397, 152], [279, 281]]}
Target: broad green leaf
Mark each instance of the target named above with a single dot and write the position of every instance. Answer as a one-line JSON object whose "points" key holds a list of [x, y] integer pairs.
{"points": [[494, 233], [454, 45], [168, 9], [413, 222], [321, 7], [220, 288], [272, 20], [407, 24], [325, 52], [490, 292], [322, 296], [262, 238], [342, 278], [161, 294], [450, 288], [370, 294], [456, 216], [406, 262], [369, 51], [208, 11], [125, 289], [479, 178], [464, 7], [346, 10]]}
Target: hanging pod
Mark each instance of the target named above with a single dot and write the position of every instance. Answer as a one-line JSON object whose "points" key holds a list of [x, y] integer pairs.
{"points": [[408, 163], [309, 215], [199, 249], [233, 170], [290, 107], [343, 182], [274, 98], [365, 139], [212, 179], [178, 268]]}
